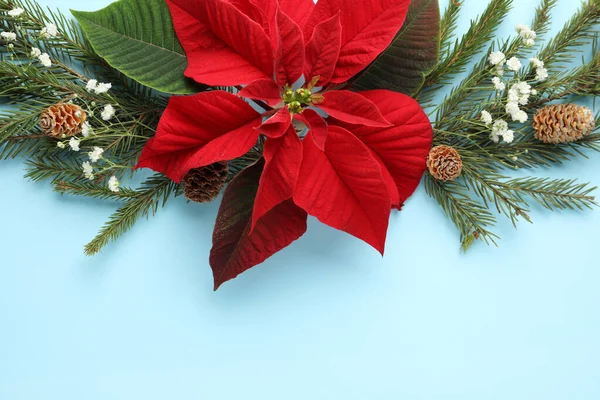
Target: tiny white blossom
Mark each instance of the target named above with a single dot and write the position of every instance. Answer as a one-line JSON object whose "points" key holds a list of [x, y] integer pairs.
{"points": [[74, 144], [35, 52], [15, 12], [512, 109], [521, 27], [50, 30], [497, 58], [486, 117], [499, 70], [108, 112], [499, 126], [494, 137], [61, 145], [536, 62], [103, 88], [527, 34], [541, 74], [508, 136], [9, 36], [45, 60], [514, 64], [498, 84], [91, 85], [520, 116], [113, 184], [86, 129], [534, 92], [96, 154], [88, 170]]}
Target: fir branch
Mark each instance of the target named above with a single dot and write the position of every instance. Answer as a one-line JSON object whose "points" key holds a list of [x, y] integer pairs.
{"points": [[146, 201], [472, 219], [89, 189], [448, 26], [479, 34], [553, 194]]}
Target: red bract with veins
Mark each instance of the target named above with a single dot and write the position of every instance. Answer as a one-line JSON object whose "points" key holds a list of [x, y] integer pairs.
{"points": [[344, 157]]}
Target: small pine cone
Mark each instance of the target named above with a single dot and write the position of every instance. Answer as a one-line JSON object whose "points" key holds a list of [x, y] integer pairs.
{"points": [[62, 120], [563, 123], [203, 185], [444, 163]]}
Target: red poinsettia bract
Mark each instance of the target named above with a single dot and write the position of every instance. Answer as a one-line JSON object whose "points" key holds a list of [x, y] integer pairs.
{"points": [[362, 153]]}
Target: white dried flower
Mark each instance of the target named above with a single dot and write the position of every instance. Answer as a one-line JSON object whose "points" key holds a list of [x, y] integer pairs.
{"points": [[512, 109], [103, 88], [497, 58], [35, 52], [91, 85], [486, 117], [88, 170], [520, 116], [61, 145], [9, 36], [514, 64], [96, 154], [50, 30], [86, 129], [15, 12], [108, 112], [113, 184], [536, 62], [494, 137], [534, 92], [526, 34], [45, 60], [74, 144], [498, 84], [541, 74], [508, 136]]}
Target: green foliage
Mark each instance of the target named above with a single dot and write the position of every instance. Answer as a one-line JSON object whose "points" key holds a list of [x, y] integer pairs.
{"points": [[402, 67], [483, 184], [137, 38], [142, 203]]}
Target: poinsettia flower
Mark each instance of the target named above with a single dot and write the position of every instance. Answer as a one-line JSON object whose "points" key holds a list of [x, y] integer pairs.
{"points": [[344, 157]]}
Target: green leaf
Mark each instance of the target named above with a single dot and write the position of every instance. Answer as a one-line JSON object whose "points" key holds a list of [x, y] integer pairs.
{"points": [[402, 67], [137, 38]]}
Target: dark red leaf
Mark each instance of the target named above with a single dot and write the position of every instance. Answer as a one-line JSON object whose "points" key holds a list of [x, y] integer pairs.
{"points": [[200, 130], [343, 187], [235, 249]]}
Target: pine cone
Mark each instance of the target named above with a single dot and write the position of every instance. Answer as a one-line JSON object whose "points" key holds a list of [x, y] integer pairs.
{"points": [[203, 185], [563, 123], [444, 163], [62, 120]]}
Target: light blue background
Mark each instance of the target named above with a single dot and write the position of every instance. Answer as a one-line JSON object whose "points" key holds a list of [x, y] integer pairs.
{"points": [[325, 319]]}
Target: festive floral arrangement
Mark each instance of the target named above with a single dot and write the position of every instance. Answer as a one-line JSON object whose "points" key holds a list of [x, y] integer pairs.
{"points": [[290, 108]]}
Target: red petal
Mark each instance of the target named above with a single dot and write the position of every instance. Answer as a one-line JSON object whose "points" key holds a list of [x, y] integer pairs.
{"points": [[316, 124], [353, 108], [323, 50], [283, 157], [235, 249], [404, 147], [343, 187], [224, 47], [298, 10], [263, 89], [200, 130], [289, 63], [369, 26], [278, 124]]}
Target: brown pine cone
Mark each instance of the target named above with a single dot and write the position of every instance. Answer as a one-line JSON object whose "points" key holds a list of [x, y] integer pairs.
{"points": [[62, 120], [563, 123], [203, 185], [444, 163]]}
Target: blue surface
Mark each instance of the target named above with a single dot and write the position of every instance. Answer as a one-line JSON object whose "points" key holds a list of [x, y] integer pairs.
{"points": [[325, 319]]}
